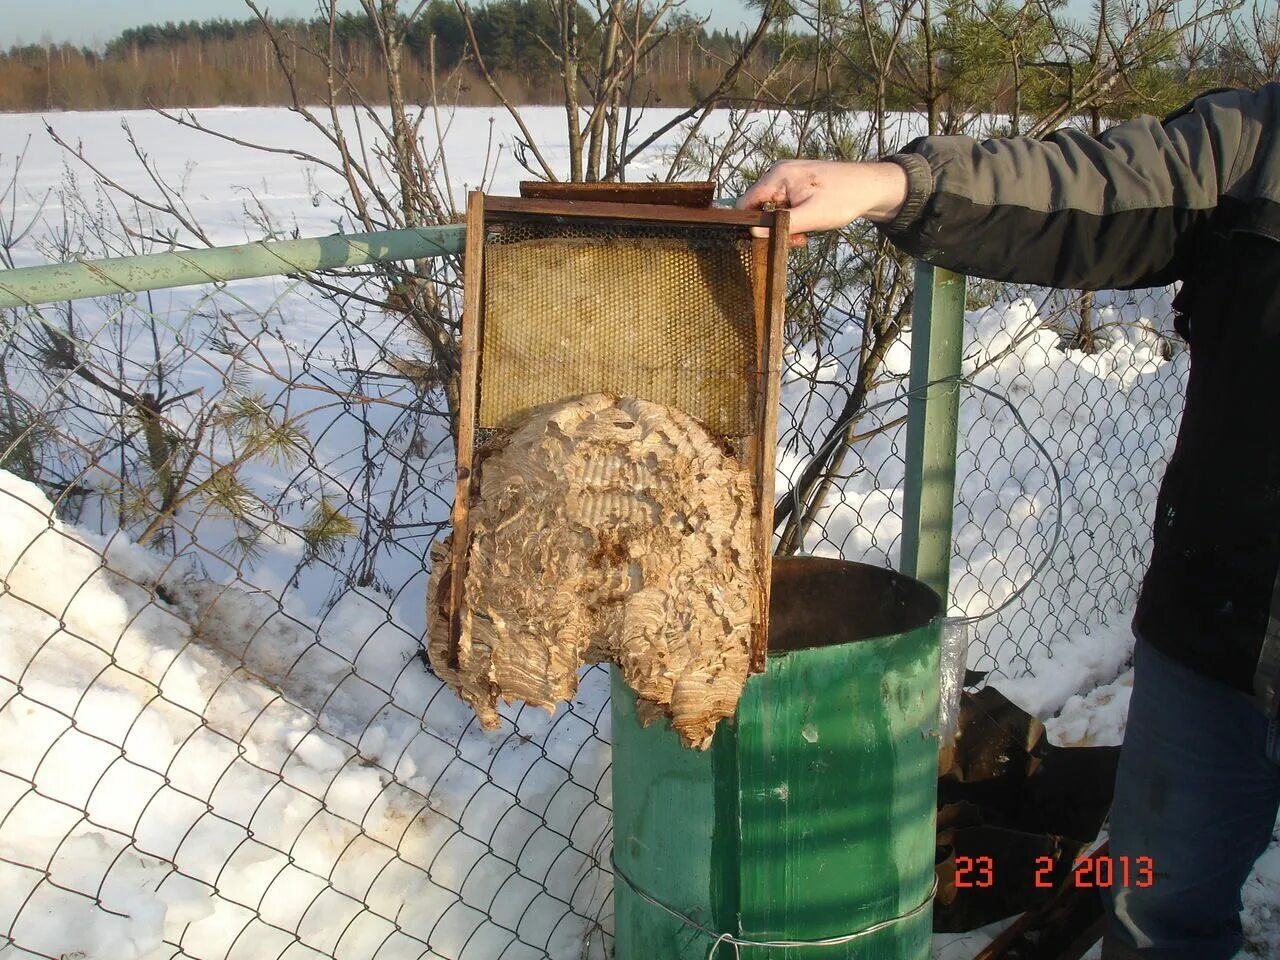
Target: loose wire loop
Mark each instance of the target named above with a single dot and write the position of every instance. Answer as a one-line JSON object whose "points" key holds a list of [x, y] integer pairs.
{"points": [[835, 437], [738, 942]]}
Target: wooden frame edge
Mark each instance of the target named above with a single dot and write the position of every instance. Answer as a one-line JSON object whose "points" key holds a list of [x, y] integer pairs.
{"points": [[468, 397], [681, 193], [779, 247], [642, 212]]}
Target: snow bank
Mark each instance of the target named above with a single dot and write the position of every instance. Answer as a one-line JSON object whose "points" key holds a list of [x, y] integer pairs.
{"points": [[185, 765], [1080, 662]]}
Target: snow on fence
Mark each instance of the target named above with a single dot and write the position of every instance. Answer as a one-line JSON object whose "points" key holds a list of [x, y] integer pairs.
{"points": [[218, 736]]}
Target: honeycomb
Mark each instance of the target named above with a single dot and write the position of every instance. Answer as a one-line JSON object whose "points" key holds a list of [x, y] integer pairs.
{"points": [[659, 313]]}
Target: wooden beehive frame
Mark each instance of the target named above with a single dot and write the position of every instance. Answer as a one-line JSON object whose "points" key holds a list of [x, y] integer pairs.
{"points": [[668, 205]]}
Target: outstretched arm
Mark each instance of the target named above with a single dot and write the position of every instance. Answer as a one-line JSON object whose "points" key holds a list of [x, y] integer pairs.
{"points": [[1121, 210]]}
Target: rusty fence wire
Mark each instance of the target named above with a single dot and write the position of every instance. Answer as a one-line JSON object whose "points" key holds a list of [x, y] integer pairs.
{"points": [[218, 735]]}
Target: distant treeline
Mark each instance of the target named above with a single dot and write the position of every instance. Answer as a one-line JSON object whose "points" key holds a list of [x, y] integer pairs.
{"points": [[232, 62], [238, 62]]}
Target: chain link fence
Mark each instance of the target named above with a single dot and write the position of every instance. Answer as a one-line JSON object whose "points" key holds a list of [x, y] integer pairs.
{"points": [[219, 738], [225, 742], [1100, 381], [1042, 551]]}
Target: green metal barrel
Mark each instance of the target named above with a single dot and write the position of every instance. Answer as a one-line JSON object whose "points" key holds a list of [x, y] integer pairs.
{"points": [[810, 820]]}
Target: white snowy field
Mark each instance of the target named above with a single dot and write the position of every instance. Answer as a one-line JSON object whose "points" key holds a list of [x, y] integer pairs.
{"points": [[221, 760]]}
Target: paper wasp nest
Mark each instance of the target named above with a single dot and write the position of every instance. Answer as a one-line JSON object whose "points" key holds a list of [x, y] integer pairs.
{"points": [[605, 529]]}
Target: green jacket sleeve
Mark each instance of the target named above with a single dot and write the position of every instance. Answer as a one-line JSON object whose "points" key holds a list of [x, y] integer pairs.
{"points": [[1122, 210]]}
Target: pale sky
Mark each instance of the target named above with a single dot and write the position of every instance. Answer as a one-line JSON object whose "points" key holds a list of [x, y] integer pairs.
{"points": [[93, 22]]}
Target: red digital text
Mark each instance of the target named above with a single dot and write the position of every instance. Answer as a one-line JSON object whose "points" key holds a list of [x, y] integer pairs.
{"points": [[1100, 871]]}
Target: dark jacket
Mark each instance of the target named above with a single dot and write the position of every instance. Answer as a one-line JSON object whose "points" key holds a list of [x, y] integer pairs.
{"points": [[1194, 198]]}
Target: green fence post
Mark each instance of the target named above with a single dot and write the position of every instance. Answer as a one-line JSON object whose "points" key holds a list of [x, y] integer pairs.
{"points": [[933, 410]]}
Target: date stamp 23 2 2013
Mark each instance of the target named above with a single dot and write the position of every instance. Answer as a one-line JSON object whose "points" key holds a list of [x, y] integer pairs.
{"points": [[1089, 871]]}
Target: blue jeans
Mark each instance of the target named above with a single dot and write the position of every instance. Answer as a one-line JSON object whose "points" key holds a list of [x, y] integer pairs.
{"points": [[1197, 791]]}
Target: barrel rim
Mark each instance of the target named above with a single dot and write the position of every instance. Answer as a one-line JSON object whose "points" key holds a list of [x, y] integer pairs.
{"points": [[819, 602]]}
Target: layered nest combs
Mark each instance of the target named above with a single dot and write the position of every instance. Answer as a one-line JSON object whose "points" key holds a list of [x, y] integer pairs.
{"points": [[621, 353]]}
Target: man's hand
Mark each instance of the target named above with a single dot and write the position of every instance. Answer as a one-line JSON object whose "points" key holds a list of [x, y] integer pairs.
{"points": [[828, 194]]}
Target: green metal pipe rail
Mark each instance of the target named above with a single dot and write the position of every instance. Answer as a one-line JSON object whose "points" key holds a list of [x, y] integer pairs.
{"points": [[32, 286]]}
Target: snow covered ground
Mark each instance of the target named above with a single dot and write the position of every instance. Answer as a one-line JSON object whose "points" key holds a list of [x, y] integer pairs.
{"points": [[184, 766], [198, 763]]}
